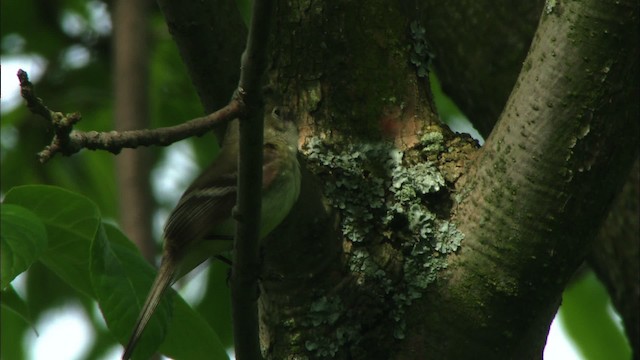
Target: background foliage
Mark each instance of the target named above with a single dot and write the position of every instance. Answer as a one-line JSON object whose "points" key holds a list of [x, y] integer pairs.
{"points": [[70, 42]]}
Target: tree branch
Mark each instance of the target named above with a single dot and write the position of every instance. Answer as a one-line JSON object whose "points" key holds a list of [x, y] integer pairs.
{"points": [[616, 253], [478, 61], [528, 209], [68, 141], [246, 260], [210, 59]]}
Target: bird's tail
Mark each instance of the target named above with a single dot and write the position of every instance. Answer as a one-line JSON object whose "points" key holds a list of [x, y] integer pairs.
{"points": [[162, 281]]}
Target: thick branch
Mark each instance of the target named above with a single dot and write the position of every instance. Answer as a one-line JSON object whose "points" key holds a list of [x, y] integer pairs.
{"points": [[478, 62], [210, 36], [529, 210], [479, 48], [68, 142], [616, 253]]}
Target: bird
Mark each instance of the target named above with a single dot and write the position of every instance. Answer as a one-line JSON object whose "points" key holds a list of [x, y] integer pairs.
{"points": [[201, 225]]}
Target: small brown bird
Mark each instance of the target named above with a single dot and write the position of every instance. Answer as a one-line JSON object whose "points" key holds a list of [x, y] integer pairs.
{"points": [[201, 225]]}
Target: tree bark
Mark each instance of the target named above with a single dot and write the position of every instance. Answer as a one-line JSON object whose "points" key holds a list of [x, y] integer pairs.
{"points": [[479, 48], [531, 212], [616, 253], [210, 36], [526, 205]]}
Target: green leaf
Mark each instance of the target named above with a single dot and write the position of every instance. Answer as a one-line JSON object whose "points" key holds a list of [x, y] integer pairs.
{"points": [[12, 301], [71, 221], [245, 6], [122, 279], [23, 238], [586, 317], [215, 306], [190, 337], [13, 329]]}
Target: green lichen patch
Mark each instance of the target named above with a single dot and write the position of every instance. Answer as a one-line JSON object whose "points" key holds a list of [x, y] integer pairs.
{"points": [[332, 312], [421, 53], [398, 241]]}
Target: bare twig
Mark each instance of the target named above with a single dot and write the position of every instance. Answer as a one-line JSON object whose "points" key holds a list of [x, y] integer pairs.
{"points": [[33, 102], [68, 141]]}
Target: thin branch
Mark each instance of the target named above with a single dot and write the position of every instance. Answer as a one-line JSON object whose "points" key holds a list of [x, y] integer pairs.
{"points": [[34, 103], [68, 141], [246, 261]]}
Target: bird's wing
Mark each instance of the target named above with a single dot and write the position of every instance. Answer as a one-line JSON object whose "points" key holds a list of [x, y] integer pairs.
{"points": [[201, 210]]}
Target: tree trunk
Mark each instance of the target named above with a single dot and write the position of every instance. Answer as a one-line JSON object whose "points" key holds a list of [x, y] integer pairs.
{"points": [[131, 82], [433, 248]]}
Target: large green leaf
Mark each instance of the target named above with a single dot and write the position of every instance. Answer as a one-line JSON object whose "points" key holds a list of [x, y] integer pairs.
{"points": [[215, 306], [585, 314], [12, 301], [190, 337], [13, 328], [122, 279], [71, 221], [23, 238]]}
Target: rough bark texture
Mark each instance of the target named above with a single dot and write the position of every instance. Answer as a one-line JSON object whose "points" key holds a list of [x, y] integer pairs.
{"points": [[334, 74], [479, 48], [528, 209], [477, 61], [354, 85], [531, 212]]}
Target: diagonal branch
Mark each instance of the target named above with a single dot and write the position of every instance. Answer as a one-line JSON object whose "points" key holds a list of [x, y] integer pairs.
{"points": [[68, 141], [528, 208]]}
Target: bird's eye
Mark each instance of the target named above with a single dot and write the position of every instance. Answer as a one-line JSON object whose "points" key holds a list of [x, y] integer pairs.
{"points": [[276, 112]]}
